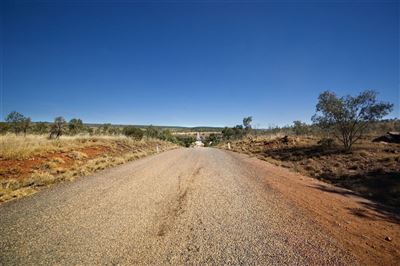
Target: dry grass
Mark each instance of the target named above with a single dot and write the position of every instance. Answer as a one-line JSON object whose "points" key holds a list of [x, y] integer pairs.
{"points": [[371, 169], [18, 147], [31, 162]]}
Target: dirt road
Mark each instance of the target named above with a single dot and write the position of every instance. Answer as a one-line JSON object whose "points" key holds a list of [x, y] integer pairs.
{"points": [[186, 206]]}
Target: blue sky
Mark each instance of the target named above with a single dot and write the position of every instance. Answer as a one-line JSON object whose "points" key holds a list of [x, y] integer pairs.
{"points": [[193, 63]]}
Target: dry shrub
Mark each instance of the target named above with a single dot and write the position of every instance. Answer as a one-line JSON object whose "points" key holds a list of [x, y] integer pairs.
{"points": [[15, 188], [77, 155], [39, 178], [58, 170], [57, 160], [48, 165], [8, 194], [364, 153], [15, 170]]}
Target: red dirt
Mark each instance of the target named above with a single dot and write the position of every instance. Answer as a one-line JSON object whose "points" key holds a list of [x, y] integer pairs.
{"points": [[23, 168], [94, 151]]}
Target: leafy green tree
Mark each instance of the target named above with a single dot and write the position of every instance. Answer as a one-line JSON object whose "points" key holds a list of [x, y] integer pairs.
{"points": [[75, 126], [16, 121], [348, 117], [58, 127], [133, 132], [247, 123]]}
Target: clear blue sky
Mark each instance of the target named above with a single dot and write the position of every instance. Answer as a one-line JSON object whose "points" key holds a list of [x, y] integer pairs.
{"points": [[193, 63]]}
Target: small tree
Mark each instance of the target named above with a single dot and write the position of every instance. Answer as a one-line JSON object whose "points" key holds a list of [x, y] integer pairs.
{"points": [[75, 126], [15, 121], [299, 128], [133, 132], [58, 127], [247, 123], [348, 117]]}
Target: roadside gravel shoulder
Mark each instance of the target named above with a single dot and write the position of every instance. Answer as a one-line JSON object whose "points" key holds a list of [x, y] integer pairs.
{"points": [[360, 225]]}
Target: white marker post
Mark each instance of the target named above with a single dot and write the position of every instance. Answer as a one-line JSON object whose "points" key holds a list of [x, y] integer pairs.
{"points": [[158, 150], [229, 145]]}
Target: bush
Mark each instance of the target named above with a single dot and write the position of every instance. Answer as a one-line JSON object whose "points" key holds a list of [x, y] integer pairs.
{"points": [[18, 122], [348, 117], [185, 141], [153, 132], [235, 132], [58, 127], [168, 136], [212, 139], [40, 128], [133, 132], [75, 126]]}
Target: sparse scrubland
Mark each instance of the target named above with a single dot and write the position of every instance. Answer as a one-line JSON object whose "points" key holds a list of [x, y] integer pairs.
{"points": [[338, 148], [37, 154], [28, 163], [370, 169]]}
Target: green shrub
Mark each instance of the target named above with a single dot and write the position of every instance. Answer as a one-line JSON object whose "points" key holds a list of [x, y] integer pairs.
{"points": [[153, 132], [185, 141], [133, 132]]}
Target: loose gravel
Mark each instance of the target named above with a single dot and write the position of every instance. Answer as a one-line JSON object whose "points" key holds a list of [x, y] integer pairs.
{"points": [[182, 207]]}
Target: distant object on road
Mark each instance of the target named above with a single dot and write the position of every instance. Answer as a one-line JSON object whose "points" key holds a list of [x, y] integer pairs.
{"points": [[390, 137], [198, 142]]}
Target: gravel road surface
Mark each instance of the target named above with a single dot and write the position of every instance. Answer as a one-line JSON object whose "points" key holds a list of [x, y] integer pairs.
{"points": [[185, 206]]}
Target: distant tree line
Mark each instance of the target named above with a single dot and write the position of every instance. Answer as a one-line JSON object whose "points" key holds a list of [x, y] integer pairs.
{"points": [[18, 124], [238, 131], [345, 118]]}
